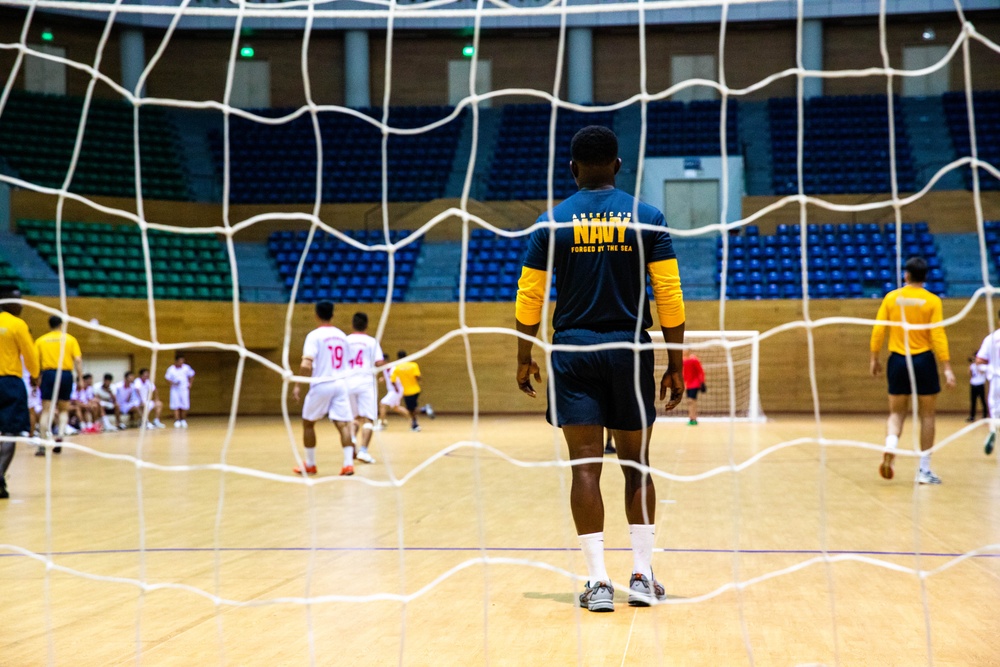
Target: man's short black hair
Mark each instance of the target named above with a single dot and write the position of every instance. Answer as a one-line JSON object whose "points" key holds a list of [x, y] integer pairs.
{"points": [[917, 268], [360, 321], [87, 376], [324, 310], [179, 355], [109, 376], [127, 373], [143, 370], [594, 144], [400, 354], [55, 321]]}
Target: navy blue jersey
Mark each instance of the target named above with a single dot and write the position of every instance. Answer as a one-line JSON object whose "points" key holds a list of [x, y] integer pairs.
{"points": [[599, 278]]}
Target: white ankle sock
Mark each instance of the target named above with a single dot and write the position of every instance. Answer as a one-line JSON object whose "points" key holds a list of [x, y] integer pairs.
{"points": [[311, 457], [63, 422], [891, 441], [348, 456], [643, 537], [592, 545], [925, 462]]}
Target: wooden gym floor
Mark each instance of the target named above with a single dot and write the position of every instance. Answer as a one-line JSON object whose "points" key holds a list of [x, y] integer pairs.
{"points": [[279, 542]]}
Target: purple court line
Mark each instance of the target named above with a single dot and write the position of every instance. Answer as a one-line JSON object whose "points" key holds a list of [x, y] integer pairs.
{"points": [[810, 552]]}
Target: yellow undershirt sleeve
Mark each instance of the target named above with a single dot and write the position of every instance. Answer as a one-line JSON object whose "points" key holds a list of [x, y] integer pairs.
{"points": [[878, 331], [666, 281], [530, 295], [939, 339]]}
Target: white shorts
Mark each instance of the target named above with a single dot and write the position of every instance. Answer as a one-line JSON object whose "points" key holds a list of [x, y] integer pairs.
{"points": [[361, 392], [180, 398], [392, 399], [128, 407], [108, 406], [35, 400], [327, 398], [993, 398]]}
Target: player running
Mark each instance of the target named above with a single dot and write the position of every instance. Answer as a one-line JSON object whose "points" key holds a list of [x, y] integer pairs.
{"points": [[925, 347], [407, 373], [325, 358], [988, 358], [601, 271], [365, 356]]}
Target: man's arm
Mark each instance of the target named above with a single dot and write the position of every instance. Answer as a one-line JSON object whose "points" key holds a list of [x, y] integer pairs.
{"points": [[305, 368], [528, 317], [939, 341], [878, 338], [666, 282]]}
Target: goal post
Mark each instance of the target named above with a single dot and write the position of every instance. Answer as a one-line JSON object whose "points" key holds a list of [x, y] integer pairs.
{"points": [[730, 359]]}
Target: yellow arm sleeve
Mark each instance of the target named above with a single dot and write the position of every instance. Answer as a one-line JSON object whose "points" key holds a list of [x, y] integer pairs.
{"points": [[530, 295], [939, 339], [878, 331], [666, 280], [28, 351]]}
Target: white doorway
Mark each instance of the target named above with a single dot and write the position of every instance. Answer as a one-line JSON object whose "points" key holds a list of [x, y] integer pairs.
{"points": [[690, 204], [683, 68], [919, 57], [42, 75], [458, 80], [251, 84]]}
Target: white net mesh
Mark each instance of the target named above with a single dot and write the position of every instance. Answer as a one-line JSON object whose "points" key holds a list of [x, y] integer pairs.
{"points": [[726, 577]]}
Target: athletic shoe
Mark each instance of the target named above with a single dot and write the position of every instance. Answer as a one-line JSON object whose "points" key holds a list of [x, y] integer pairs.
{"points": [[429, 411], [310, 470], [346, 471], [886, 468], [379, 426], [40, 451], [927, 477], [364, 456], [159, 424], [184, 423], [692, 422], [70, 430], [415, 428], [177, 424], [3, 489], [970, 420], [609, 448], [599, 597], [122, 427], [990, 439], [642, 594]]}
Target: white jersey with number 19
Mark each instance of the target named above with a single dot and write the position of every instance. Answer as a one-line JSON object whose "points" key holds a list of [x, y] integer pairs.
{"points": [[328, 348]]}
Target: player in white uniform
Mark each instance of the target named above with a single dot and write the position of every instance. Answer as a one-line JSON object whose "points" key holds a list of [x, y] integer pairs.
{"points": [[391, 401], [150, 398], [34, 398], [127, 401], [84, 404], [105, 397], [989, 359], [325, 358], [365, 356], [179, 376]]}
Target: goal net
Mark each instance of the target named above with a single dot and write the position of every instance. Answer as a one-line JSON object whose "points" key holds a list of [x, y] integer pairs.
{"points": [[731, 361], [311, 579]]}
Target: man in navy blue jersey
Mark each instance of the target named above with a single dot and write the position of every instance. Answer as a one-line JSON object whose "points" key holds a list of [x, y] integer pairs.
{"points": [[601, 262]]}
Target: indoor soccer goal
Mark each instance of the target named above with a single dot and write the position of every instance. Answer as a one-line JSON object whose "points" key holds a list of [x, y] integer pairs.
{"points": [[731, 362]]}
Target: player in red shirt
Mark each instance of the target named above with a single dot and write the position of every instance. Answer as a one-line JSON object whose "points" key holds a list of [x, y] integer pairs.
{"points": [[694, 381]]}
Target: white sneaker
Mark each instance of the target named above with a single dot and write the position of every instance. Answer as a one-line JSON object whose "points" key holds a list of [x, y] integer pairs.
{"points": [[70, 430], [379, 426], [364, 456], [177, 424], [159, 424], [927, 477], [429, 411], [184, 423]]}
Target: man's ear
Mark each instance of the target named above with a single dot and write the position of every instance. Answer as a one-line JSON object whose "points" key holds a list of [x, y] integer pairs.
{"points": [[618, 165]]}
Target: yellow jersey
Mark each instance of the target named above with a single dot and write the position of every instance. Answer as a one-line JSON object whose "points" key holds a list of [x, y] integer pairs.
{"points": [[407, 374], [48, 346], [16, 344], [918, 306]]}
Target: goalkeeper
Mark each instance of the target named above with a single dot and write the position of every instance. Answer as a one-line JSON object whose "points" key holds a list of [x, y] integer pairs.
{"points": [[601, 263]]}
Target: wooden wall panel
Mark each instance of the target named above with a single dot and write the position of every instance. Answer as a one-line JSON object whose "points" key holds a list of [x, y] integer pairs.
{"points": [[841, 350]]}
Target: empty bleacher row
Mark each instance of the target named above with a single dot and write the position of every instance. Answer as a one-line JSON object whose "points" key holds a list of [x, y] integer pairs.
{"points": [[8, 276], [38, 134], [494, 265], [277, 163], [337, 270], [846, 146], [986, 108], [678, 129], [843, 261], [992, 230], [105, 260]]}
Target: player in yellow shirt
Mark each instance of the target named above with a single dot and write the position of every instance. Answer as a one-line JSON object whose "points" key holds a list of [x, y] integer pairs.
{"points": [[58, 354], [17, 352], [924, 347], [408, 375]]}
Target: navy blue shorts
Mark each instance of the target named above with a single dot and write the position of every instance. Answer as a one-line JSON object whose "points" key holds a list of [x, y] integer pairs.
{"points": [[692, 394], [598, 388], [925, 372], [411, 401], [49, 384], [14, 418]]}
